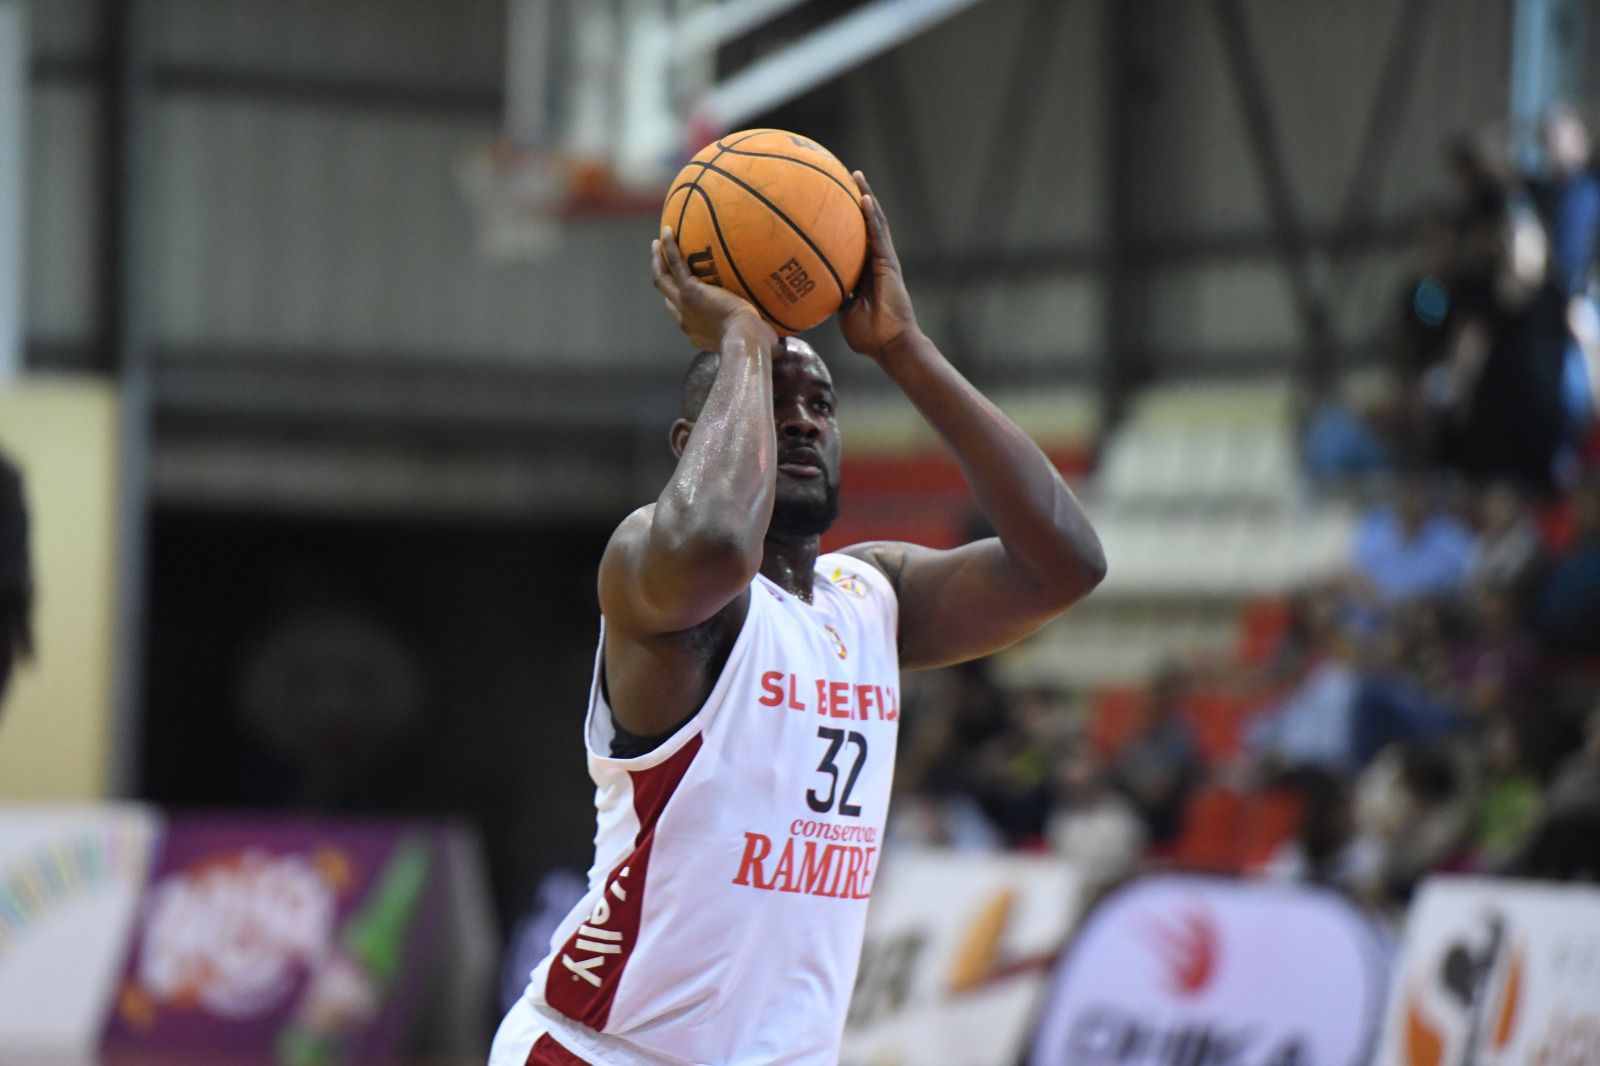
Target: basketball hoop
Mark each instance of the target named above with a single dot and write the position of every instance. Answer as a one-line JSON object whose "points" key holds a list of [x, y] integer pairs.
{"points": [[524, 198], [518, 195]]}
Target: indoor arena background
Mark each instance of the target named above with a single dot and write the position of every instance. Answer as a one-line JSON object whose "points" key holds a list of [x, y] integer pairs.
{"points": [[329, 359]]}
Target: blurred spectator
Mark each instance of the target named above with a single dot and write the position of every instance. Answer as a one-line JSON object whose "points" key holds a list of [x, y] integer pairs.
{"points": [[1503, 403], [1496, 668], [1464, 249], [1567, 610], [1090, 823], [1350, 440], [1312, 726], [1565, 846], [1568, 199], [1409, 690], [1160, 766], [931, 805], [1509, 802], [1012, 770], [1577, 782], [1314, 631], [1416, 803], [1325, 849], [1408, 547], [16, 576], [1508, 552]]}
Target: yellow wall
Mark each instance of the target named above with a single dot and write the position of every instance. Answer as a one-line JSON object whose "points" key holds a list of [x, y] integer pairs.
{"points": [[55, 725]]}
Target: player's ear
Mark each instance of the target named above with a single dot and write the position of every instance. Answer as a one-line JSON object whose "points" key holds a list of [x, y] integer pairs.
{"points": [[678, 436]]}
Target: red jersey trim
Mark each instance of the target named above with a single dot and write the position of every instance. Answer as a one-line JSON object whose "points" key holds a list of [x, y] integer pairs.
{"points": [[546, 1052], [583, 977]]}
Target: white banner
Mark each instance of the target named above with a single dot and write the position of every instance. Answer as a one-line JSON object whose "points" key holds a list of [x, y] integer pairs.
{"points": [[1185, 971], [1497, 973], [70, 881], [958, 952]]}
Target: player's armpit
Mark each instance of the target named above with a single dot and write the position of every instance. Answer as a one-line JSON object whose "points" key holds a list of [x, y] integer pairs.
{"points": [[966, 602]]}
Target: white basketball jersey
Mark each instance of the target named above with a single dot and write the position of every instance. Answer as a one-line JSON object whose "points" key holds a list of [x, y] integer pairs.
{"points": [[728, 898]]}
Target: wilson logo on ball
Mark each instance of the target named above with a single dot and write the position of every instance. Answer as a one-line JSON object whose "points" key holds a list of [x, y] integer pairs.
{"points": [[703, 266]]}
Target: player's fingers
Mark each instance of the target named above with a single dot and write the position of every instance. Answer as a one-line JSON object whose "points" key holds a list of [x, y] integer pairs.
{"points": [[877, 223], [658, 273], [863, 290], [674, 256], [877, 231], [657, 267]]}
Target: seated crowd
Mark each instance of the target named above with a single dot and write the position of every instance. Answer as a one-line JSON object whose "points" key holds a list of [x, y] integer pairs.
{"points": [[1433, 707]]}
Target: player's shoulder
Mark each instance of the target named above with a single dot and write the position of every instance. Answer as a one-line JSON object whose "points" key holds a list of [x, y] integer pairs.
{"points": [[635, 527], [887, 557], [861, 569]]}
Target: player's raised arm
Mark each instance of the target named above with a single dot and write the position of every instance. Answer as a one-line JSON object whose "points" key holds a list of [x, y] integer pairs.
{"points": [[676, 563], [976, 599]]}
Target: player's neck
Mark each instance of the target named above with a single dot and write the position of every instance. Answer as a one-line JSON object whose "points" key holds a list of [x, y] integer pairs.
{"points": [[790, 562]]}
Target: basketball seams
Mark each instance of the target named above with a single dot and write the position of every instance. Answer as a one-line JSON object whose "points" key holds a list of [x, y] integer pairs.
{"points": [[686, 188], [730, 150], [752, 135], [722, 149], [776, 210], [727, 253]]}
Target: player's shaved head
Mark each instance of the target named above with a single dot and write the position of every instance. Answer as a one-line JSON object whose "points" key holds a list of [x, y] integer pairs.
{"points": [[697, 382], [702, 373], [807, 435]]}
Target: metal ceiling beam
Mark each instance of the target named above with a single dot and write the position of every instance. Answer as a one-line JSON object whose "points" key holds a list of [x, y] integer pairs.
{"points": [[126, 330], [821, 56], [1255, 106], [1381, 133], [1022, 100], [916, 215], [1123, 362]]}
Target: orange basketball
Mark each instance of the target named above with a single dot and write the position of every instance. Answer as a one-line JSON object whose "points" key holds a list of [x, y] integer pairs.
{"points": [[774, 217]]}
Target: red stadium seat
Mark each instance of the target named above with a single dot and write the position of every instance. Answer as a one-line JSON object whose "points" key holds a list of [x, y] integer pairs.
{"points": [[1274, 819], [1211, 830], [1115, 715], [1262, 628]]}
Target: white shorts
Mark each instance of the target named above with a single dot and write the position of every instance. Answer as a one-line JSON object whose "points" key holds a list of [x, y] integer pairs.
{"points": [[524, 1040]]}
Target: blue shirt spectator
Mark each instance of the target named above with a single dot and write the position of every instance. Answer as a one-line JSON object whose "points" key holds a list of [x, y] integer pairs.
{"points": [[1572, 215], [1569, 200], [1404, 551], [1313, 726]]}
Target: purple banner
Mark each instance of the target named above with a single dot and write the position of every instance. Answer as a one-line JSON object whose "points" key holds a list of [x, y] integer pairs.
{"points": [[294, 943]]}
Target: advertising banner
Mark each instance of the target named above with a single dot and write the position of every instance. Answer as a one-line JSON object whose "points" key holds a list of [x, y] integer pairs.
{"points": [[957, 955], [302, 942], [1496, 973], [70, 879], [1184, 970]]}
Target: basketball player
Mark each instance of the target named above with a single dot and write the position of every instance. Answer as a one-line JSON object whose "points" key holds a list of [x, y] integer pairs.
{"points": [[741, 727], [16, 580]]}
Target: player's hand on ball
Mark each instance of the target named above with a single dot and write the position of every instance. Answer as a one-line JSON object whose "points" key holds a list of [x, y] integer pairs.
{"points": [[702, 311], [879, 313]]}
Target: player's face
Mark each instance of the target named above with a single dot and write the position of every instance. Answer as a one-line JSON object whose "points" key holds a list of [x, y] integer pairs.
{"points": [[808, 440]]}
